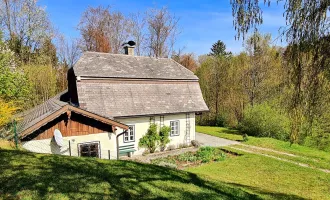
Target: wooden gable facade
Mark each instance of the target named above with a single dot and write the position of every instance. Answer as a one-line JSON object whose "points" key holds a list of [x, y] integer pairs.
{"points": [[73, 122]]}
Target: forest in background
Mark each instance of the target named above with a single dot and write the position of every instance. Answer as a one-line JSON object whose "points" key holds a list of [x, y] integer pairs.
{"points": [[262, 91]]}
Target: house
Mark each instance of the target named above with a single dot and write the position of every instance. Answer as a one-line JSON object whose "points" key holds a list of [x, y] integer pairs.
{"points": [[110, 103]]}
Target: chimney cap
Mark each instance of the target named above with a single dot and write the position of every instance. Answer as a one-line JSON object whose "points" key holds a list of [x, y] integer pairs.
{"points": [[130, 43], [129, 48]]}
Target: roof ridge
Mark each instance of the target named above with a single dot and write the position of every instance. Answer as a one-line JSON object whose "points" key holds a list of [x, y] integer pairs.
{"points": [[120, 54]]}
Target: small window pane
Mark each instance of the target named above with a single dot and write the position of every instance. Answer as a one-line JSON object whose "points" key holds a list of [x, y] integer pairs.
{"points": [[174, 128], [89, 149], [130, 135]]}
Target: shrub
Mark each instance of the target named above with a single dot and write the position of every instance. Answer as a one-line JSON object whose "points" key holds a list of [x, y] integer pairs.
{"points": [[164, 134], [206, 154], [195, 143], [264, 121], [166, 164], [188, 157], [245, 137], [151, 139]]}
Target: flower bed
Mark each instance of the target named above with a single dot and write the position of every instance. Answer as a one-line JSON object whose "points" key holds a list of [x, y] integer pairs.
{"points": [[203, 155]]}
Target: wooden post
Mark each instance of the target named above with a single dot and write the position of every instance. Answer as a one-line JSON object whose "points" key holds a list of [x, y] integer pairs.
{"points": [[69, 147], [117, 144], [109, 154]]}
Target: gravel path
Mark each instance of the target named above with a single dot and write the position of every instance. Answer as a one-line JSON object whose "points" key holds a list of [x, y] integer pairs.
{"points": [[208, 140]]}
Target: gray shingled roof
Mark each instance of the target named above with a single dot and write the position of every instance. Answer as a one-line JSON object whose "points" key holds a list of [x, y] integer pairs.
{"points": [[93, 64], [36, 114], [133, 99]]}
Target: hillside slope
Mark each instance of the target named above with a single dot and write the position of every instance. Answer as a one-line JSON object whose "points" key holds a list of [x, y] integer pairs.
{"points": [[27, 175]]}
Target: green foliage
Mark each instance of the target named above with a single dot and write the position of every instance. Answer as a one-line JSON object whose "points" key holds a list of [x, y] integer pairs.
{"points": [[14, 84], [42, 79], [151, 139], [245, 137], [7, 110], [187, 157], [208, 154], [264, 121], [219, 49], [164, 134], [203, 155]]}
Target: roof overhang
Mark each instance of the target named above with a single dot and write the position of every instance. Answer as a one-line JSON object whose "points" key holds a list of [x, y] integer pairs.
{"points": [[66, 109]]}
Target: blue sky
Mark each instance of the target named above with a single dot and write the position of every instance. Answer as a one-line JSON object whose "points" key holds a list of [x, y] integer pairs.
{"points": [[202, 23]]}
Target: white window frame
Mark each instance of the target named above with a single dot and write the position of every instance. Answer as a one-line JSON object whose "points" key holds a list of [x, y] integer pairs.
{"points": [[175, 124], [127, 136]]}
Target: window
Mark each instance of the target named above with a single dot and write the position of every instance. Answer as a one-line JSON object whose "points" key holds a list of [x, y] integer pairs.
{"points": [[175, 127], [91, 149], [129, 136]]}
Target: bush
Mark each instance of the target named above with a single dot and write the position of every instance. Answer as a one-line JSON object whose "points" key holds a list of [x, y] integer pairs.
{"points": [[264, 121], [151, 139], [188, 157], [166, 164], [208, 154], [195, 143], [245, 137], [164, 134]]}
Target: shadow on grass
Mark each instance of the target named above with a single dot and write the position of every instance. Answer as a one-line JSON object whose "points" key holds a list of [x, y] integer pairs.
{"points": [[232, 131], [36, 176]]}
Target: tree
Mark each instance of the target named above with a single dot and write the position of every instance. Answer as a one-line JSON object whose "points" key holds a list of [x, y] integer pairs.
{"points": [[68, 51], [42, 79], [7, 110], [93, 27], [186, 60], [26, 25], [307, 25], [138, 25], [162, 32], [219, 49], [103, 31], [14, 85]]}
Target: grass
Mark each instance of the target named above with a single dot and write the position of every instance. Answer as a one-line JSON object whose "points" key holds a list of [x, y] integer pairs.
{"points": [[222, 132], [266, 143], [311, 161], [268, 178], [27, 175], [5, 144]]}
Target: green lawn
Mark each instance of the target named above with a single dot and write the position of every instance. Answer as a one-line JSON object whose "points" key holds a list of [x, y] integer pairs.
{"points": [[268, 178], [266, 143], [27, 175]]}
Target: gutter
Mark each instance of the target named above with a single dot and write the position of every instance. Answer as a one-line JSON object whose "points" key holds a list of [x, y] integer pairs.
{"points": [[117, 142]]}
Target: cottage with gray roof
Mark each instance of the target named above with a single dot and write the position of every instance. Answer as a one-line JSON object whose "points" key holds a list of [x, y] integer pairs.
{"points": [[124, 92]]}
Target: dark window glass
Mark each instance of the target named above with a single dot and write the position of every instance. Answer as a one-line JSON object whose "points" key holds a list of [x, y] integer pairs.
{"points": [[89, 149]]}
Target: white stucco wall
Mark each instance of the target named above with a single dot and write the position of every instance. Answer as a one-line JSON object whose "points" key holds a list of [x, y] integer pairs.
{"points": [[108, 140], [142, 124]]}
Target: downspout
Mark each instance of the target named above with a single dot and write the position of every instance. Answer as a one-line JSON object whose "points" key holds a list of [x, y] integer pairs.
{"points": [[117, 142]]}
